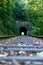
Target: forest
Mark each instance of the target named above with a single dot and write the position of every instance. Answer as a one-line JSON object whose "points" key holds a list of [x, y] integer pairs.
{"points": [[20, 10]]}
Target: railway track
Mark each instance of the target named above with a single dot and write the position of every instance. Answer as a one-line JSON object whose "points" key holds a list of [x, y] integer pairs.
{"points": [[11, 36], [26, 44]]}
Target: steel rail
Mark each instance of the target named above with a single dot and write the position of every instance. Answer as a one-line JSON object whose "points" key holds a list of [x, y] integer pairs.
{"points": [[21, 46], [23, 58], [26, 50], [11, 36]]}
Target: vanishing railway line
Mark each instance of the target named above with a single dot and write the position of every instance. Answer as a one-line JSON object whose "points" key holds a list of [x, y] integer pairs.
{"points": [[21, 48]]}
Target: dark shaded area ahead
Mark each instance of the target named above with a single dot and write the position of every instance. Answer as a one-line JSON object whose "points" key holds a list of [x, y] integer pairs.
{"points": [[23, 29]]}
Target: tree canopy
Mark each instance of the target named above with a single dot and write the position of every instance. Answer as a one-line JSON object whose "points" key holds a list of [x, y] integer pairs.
{"points": [[31, 11], [7, 24], [28, 10]]}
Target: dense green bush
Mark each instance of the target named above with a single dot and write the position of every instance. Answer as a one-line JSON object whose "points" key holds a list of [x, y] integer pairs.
{"points": [[7, 24], [28, 10], [31, 11]]}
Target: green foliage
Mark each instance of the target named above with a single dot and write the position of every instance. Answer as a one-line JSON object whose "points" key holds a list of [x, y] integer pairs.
{"points": [[34, 31], [28, 10], [32, 11], [36, 16], [19, 10], [7, 24]]}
